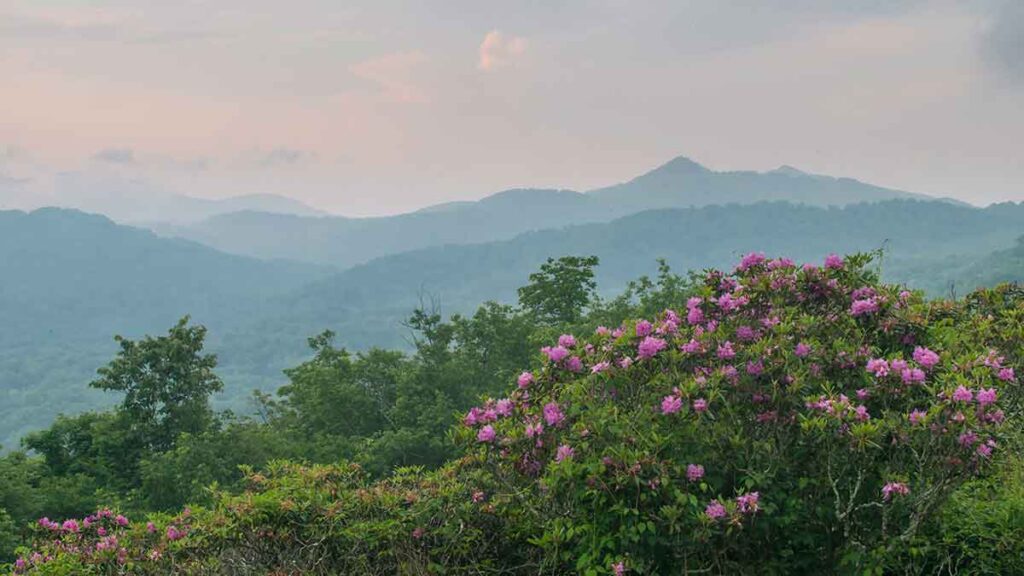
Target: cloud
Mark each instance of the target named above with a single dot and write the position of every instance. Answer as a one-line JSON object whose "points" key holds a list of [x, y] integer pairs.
{"points": [[1004, 40], [498, 50], [115, 156], [283, 156], [394, 74]]}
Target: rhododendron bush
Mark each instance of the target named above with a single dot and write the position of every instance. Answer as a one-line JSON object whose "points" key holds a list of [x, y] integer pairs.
{"points": [[784, 419], [804, 415]]}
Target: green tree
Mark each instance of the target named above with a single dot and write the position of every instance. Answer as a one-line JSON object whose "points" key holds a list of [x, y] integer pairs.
{"points": [[561, 290], [8, 536], [166, 381], [335, 394]]}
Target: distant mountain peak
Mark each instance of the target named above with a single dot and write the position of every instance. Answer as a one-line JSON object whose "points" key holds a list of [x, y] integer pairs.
{"points": [[680, 165], [788, 170]]}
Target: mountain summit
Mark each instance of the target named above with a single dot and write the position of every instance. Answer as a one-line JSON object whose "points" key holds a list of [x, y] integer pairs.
{"points": [[683, 182]]}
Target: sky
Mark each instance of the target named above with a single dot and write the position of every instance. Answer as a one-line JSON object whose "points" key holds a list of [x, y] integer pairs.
{"points": [[379, 107]]}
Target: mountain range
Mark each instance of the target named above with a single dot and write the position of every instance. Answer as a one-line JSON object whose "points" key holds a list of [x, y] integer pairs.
{"points": [[680, 183]]}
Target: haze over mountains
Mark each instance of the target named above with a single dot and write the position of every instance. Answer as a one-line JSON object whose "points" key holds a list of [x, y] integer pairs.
{"points": [[679, 183], [73, 280]]}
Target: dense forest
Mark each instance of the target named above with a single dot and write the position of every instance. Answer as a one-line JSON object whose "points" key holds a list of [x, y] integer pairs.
{"points": [[688, 421]]}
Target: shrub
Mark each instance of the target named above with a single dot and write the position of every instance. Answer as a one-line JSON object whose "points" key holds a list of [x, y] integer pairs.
{"points": [[789, 420]]}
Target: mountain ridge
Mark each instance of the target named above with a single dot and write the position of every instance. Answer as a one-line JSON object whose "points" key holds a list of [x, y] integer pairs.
{"points": [[678, 183]]}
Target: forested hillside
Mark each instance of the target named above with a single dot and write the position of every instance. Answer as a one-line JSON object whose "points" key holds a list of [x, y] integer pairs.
{"points": [[70, 281]]}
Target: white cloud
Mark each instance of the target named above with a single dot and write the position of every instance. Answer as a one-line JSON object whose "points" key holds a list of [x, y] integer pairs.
{"points": [[498, 50]]}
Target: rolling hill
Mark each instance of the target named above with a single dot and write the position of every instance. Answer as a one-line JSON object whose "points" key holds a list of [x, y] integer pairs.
{"points": [[70, 281]]}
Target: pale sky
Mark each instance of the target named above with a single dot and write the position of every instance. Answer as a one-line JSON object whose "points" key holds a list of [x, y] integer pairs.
{"points": [[384, 106]]}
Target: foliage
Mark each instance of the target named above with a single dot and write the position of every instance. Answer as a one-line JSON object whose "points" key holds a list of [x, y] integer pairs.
{"points": [[561, 290], [167, 383], [791, 420], [804, 402]]}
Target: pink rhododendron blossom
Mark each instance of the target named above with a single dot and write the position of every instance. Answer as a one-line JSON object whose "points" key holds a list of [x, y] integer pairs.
{"points": [[863, 292], [671, 404], [879, 367], [729, 303], [700, 405], [747, 503], [833, 262], [747, 334], [863, 307], [755, 368], [567, 340], [715, 510], [553, 414], [894, 488], [534, 429], [691, 347], [174, 534], [726, 351], [802, 350], [619, 568], [751, 260], [694, 472], [962, 394], [861, 413], [625, 362], [694, 316], [643, 328], [987, 396], [473, 417], [650, 346], [503, 407], [574, 364], [600, 367], [863, 394], [917, 416], [525, 379], [1006, 374], [602, 331], [925, 357], [967, 439], [668, 327], [486, 434], [556, 354], [564, 452], [912, 375]]}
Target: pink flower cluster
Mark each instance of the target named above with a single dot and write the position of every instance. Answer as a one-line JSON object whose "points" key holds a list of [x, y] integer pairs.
{"points": [[894, 488]]}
